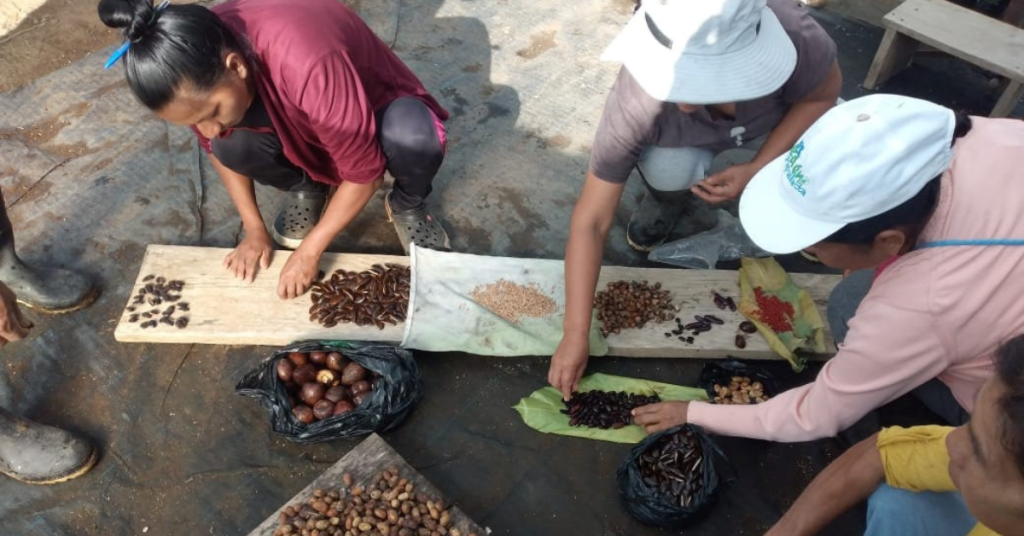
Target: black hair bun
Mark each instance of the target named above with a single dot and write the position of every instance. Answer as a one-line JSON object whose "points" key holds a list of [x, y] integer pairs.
{"points": [[133, 16]]}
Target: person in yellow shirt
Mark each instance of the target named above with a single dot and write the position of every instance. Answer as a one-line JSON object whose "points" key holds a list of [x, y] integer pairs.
{"points": [[932, 480]]}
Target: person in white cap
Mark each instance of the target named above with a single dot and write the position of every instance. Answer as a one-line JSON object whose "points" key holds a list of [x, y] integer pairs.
{"points": [[926, 204], [698, 78]]}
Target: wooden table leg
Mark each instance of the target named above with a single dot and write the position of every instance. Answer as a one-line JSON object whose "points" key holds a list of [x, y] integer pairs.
{"points": [[894, 54], [1008, 101]]}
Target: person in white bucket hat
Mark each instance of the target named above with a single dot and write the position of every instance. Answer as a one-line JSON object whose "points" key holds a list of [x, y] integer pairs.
{"points": [[923, 206], [699, 78]]}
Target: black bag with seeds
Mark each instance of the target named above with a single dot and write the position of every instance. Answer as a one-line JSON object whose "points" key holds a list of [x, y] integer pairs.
{"points": [[642, 492], [722, 372], [396, 393]]}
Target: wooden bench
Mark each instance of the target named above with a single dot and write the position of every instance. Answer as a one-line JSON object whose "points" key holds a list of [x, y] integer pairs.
{"points": [[970, 36]]}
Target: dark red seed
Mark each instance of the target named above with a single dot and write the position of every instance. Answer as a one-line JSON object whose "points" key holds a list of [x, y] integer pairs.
{"points": [[741, 341]]}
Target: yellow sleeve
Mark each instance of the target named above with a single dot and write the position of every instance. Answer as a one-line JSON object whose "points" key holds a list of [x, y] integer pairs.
{"points": [[916, 459], [982, 530]]}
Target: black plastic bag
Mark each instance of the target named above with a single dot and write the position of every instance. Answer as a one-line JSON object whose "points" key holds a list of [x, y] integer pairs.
{"points": [[721, 373], [394, 398], [651, 507]]}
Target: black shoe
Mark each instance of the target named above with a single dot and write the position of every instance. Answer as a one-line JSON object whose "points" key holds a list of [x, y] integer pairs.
{"points": [[38, 454], [655, 218], [51, 290], [298, 217], [417, 226]]}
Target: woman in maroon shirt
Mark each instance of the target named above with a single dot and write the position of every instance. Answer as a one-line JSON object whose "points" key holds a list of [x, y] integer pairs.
{"points": [[301, 96]]}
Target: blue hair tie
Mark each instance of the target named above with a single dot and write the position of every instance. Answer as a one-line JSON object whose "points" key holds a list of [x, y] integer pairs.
{"points": [[121, 50]]}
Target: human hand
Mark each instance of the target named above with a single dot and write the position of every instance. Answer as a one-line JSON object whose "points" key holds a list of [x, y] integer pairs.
{"points": [[726, 184], [568, 364], [255, 249], [661, 416], [298, 274], [13, 327]]}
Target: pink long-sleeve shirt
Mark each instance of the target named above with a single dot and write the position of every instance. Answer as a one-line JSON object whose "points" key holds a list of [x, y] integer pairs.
{"points": [[935, 312]]}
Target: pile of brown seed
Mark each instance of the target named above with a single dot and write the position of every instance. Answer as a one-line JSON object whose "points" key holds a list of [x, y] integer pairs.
{"points": [[513, 301], [373, 297], [156, 291], [605, 409], [674, 467], [741, 390], [391, 507], [631, 304]]}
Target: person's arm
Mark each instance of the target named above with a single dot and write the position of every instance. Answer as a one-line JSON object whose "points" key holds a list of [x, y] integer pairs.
{"points": [[842, 485], [591, 220], [346, 203], [256, 247], [729, 183]]}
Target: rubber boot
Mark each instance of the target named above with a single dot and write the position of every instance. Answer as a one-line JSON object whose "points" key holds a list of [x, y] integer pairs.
{"points": [[653, 221], [51, 290], [38, 454]]}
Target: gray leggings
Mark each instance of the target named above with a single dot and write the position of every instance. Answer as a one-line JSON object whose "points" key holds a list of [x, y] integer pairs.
{"points": [[842, 305]]}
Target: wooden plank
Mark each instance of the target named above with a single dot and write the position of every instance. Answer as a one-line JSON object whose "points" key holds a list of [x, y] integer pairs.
{"points": [[895, 53], [365, 463], [225, 310], [968, 35], [1009, 99], [693, 291]]}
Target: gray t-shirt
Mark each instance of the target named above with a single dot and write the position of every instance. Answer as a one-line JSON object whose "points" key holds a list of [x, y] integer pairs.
{"points": [[632, 119]]}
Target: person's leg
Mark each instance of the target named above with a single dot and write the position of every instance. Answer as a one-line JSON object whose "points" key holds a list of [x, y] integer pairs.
{"points": [[844, 300], [936, 395], [259, 156], [668, 174], [411, 138], [893, 512], [38, 454], [51, 290]]}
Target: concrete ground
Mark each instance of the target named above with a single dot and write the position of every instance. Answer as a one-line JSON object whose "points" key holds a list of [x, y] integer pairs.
{"points": [[90, 179]]}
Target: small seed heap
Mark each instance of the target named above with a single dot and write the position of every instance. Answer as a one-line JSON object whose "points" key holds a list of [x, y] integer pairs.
{"points": [[373, 297], [674, 467], [604, 409], [741, 390], [776, 313], [631, 304], [157, 291], [723, 302], [321, 385], [390, 507], [513, 301]]}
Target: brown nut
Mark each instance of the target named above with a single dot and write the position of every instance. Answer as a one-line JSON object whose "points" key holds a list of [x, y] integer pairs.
{"points": [[284, 370], [323, 409], [336, 361], [336, 394], [352, 373], [304, 374], [343, 407], [360, 387], [304, 414], [297, 358], [318, 358], [328, 377], [312, 392], [358, 399]]}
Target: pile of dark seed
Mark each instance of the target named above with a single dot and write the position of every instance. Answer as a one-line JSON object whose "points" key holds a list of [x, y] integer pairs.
{"points": [[604, 409], [631, 304], [156, 291], [701, 324], [373, 297], [674, 467]]}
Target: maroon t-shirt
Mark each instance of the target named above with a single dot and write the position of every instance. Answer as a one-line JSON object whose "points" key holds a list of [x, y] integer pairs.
{"points": [[633, 120], [322, 73]]}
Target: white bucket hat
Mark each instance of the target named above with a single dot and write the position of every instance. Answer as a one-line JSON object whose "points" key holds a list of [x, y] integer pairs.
{"points": [[705, 51], [861, 159]]}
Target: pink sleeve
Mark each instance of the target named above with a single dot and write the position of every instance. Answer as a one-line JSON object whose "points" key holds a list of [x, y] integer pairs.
{"points": [[342, 117], [889, 350]]}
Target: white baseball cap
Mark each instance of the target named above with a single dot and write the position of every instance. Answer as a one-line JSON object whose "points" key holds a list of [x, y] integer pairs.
{"points": [[705, 51], [861, 159]]}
